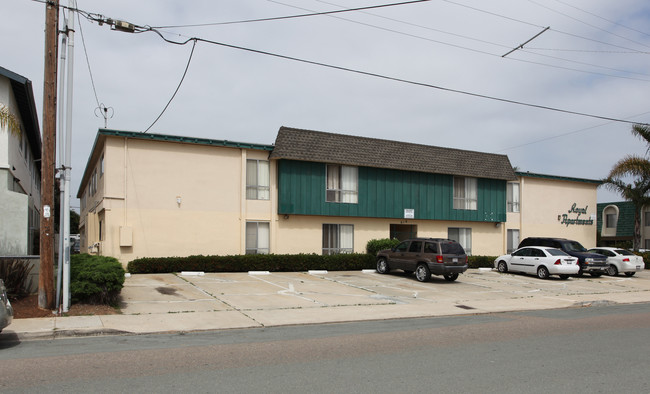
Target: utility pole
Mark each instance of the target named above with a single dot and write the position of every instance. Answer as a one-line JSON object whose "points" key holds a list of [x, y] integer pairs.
{"points": [[46, 272]]}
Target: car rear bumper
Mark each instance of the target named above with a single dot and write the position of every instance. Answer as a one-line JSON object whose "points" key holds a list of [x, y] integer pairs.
{"points": [[563, 269], [631, 267], [441, 269]]}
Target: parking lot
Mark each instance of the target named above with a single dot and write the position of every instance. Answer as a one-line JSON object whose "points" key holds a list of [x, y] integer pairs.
{"points": [[300, 297]]}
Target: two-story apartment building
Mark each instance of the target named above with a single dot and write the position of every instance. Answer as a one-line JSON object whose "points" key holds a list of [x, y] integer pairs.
{"points": [[311, 192], [20, 167]]}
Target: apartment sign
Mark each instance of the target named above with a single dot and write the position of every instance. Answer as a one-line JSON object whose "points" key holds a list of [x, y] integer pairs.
{"points": [[569, 218]]}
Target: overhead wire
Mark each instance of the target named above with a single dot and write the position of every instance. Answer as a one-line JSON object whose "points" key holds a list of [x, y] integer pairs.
{"points": [[478, 50], [90, 71], [386, 77], [294, 16]]}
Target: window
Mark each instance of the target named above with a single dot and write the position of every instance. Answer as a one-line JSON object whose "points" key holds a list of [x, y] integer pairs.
{"points": [[416, 247], [101, 166], [257, 180], [463, 236], [610, 220], [257, 238], [465, 193], [513, 240], [646, 216], [513, 197], [342, 184], [338, 238]]}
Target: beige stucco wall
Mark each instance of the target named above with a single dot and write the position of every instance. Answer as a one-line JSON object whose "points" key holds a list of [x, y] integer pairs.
{"points": [[161, 198], [543, 200], [303, 234]]}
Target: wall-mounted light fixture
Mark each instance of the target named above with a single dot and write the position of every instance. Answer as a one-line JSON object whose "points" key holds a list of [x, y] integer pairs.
{"points": [[286, 217], [178, 200]]}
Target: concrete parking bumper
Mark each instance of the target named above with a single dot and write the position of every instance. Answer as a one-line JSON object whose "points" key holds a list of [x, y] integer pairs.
{"points": [[159, 303]]}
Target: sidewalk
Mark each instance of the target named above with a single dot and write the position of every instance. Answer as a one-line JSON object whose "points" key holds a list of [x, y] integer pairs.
{"points": [[164, 303]]}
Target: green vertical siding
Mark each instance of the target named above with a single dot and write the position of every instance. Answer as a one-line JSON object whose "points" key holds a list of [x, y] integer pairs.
{"points": [[385, 193]]}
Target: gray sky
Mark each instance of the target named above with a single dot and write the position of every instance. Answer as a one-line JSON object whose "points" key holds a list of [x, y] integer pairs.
{"points": [[594, 59]]}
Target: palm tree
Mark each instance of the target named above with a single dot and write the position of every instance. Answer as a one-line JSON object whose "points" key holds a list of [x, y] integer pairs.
{"points": [[8, 119], [638, 191]]}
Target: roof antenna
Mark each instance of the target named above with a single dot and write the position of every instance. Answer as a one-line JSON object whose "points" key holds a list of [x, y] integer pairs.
{"points": [[104, 112]]}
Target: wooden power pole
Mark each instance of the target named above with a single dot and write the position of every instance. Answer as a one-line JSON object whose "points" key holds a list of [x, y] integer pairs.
{"points": [[48, 164]]}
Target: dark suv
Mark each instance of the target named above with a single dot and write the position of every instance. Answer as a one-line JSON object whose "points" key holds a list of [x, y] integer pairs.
{"points": [[594, 264], [425, 256]]}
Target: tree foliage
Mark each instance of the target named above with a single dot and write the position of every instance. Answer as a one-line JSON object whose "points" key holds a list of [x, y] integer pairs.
{"points": [[630, 177], [9, 120]]}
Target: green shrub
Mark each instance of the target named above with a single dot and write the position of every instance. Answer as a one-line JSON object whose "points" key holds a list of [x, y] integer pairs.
{"points": [[481, 261], [252, 262], [15, 274], [375, 245], [95, 279]]}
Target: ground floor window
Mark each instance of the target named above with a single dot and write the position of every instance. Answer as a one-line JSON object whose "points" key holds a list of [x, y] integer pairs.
{"points": [[338, 238], [513, 240], [403, 231], [463, 236], [257, 237]]}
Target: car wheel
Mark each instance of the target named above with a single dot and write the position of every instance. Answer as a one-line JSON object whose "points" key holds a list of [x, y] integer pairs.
{"points": [[596, 274], [612, 270], [422, 273], [630, 273], [542, 272], [565, 277], [382, 265], [502, 267], [451, 277]]}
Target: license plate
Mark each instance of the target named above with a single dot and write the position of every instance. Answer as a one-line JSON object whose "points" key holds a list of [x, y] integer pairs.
{"points": [[454, 260]]}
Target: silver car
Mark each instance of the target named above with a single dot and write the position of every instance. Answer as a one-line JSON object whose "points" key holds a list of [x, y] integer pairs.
{"points": [[6, 311]]}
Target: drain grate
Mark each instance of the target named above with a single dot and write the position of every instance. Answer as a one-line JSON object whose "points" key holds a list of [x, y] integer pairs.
{"points": [[464, 307]]}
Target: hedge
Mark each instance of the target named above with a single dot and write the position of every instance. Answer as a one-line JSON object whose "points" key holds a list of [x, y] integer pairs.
{"points": [[253, 262], [95, 279]]}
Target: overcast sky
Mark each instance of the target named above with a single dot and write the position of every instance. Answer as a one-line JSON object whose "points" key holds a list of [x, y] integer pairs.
{"points": [[594, 59]]}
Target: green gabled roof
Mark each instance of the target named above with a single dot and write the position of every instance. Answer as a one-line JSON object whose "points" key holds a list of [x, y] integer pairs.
{"points": [[187, 140], [558, 178], [625, 223]]}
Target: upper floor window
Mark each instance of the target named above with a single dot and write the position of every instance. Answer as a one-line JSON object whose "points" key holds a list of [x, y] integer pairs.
{"points": [[512, 198], [342, 184], [101, 166], [465, 193], [257, 180], [610, 220], [646, 215]]}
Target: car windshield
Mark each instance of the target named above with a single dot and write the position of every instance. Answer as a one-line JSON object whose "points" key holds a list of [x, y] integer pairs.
{"points": [[574, 246], [624, 252], [556, 252]]}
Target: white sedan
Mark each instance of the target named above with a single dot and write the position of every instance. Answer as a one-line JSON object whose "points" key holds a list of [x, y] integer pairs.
{"points": [[621, 260], [538, 260]]}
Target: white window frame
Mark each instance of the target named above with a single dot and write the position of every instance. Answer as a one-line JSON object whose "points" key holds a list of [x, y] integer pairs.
{"points": [[258, 237], [465, 193], [341, 184], [512, 241], [338, 238], [513, 197], [462, 235], [258, 180]]}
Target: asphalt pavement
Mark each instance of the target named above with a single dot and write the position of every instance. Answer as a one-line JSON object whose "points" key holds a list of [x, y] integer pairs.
{"points": [[194, 301]]}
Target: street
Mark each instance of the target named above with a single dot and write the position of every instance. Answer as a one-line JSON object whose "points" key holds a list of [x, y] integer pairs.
{"points": [[590, 349]]}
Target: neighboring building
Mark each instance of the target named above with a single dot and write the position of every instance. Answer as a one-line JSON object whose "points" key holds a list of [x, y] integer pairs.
{"points": [[20, 169], [150, 195], [551, 206], [616, 224]]}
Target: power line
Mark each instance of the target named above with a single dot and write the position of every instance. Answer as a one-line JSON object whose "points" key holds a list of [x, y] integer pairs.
{"points": [[189, 60], [386, 77], [587, 24], [293, 16], [478, 50]]}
